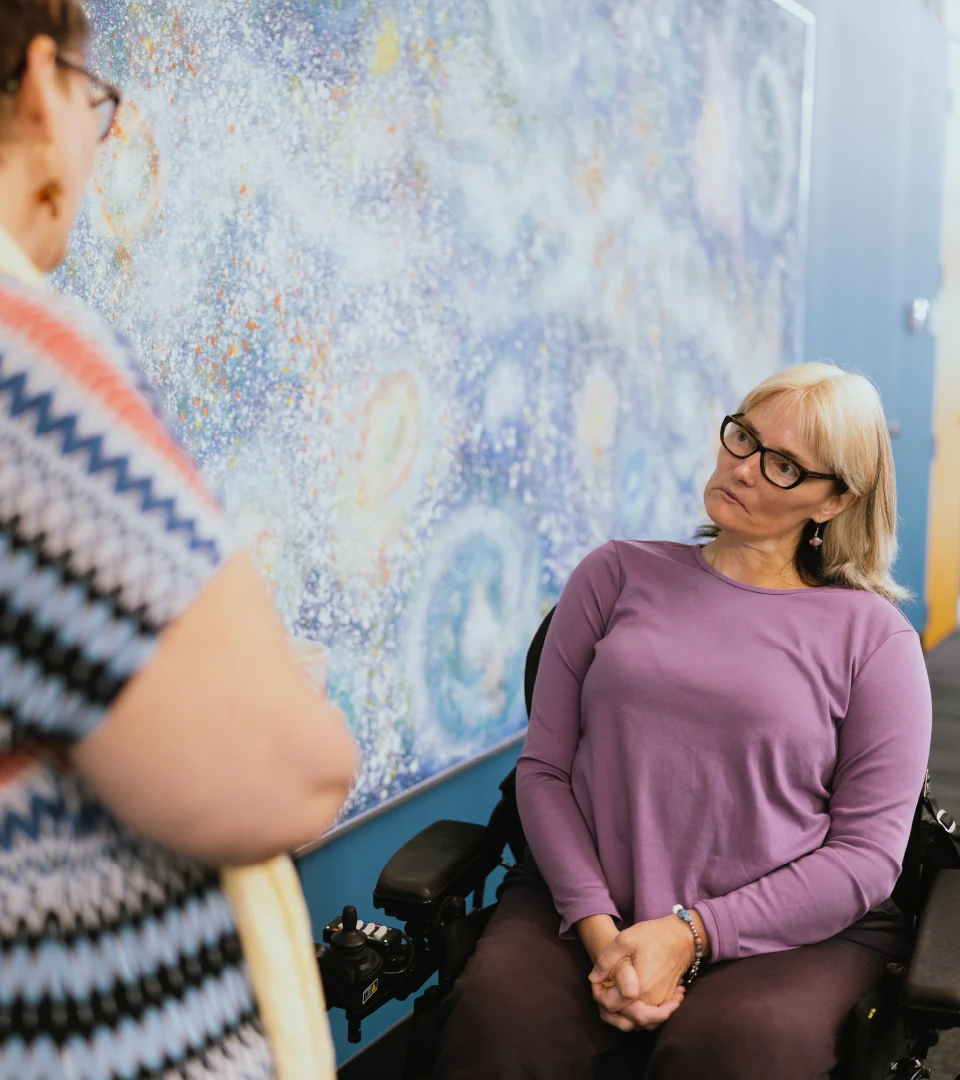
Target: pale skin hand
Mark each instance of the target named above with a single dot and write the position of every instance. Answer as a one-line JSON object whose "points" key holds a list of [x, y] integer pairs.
{"points": [[621, 1010], [637, 972]]}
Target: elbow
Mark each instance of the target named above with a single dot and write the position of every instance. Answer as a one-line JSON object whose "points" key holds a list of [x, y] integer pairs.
{"points": [[330, 798], [323, 800], [290, 802], [539, 785], [526, 780], [529, 769], [872, 870], [341, 760], [267, 829], [887, 886], [533, 774]]}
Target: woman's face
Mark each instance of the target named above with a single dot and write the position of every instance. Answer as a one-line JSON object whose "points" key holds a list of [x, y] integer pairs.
{"points": [[58, 131], [743, 503]]}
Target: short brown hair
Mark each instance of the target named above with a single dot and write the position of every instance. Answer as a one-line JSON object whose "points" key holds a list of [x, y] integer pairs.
{"points": [[23, 20]]}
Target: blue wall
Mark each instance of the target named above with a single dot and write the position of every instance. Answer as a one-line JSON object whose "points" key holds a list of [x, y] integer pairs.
{"points": [[874, 237]]}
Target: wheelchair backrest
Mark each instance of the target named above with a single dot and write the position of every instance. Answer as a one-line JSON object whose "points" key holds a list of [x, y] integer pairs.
{"points": [[505, 820], [533, 660]]}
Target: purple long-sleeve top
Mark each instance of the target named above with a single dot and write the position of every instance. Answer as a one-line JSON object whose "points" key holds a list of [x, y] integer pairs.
{"points": [[754, 753]]}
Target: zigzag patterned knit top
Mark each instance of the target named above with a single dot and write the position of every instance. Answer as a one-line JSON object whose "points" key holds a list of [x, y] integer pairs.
{"points": [[118, 959]]}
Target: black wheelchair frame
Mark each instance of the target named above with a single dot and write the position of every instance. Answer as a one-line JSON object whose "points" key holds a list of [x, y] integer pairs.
{"points": [[434, 885]]}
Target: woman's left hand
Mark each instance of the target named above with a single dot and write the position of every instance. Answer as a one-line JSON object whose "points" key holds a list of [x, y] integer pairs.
{"points": [[645, 962]]}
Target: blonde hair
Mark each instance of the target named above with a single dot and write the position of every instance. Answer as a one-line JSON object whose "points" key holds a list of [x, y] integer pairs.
{"points": [[841, 416]]}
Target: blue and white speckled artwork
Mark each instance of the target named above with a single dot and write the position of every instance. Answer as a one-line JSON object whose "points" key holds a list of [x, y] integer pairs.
{"points": [[442, 295]]}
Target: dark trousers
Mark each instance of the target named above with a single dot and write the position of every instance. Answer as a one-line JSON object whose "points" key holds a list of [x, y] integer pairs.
{"points": [[522, 1010]]}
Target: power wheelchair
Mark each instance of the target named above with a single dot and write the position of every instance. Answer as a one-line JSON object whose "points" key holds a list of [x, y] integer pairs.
{"points": [[434, 885]]}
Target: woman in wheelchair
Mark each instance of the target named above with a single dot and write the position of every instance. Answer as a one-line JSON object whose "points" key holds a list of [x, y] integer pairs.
{"points": [[719, 778]]}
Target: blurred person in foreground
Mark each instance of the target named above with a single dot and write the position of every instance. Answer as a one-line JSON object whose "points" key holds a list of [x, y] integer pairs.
{"points": [[154, 721], [726, 749]]}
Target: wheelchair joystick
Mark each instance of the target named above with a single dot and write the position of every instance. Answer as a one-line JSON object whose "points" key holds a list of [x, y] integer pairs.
{"points": [[351, 965], [350, 949], [349, 943]]}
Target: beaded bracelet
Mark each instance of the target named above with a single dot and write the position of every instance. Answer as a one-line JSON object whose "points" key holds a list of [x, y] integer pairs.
{"points": [[681, 912]]}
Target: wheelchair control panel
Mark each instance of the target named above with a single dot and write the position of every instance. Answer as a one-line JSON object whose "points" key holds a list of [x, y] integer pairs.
{"points": [[364, 965], [425, 888]]}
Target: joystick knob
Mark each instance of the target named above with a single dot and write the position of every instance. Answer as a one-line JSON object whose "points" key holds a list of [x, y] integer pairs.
{"points": [[348, 943]]}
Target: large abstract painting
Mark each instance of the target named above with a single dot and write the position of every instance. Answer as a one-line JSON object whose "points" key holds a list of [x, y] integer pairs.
{"points": [[442, 295]]}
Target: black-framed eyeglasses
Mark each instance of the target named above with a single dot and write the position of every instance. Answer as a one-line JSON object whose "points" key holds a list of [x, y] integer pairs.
{"points": [[105, 99], [778, 468]]}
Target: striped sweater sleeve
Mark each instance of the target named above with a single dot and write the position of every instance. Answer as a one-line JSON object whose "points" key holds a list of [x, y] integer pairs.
{"points": [[107, 532]]}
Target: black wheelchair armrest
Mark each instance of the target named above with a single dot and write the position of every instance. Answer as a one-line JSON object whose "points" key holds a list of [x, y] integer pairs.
{"points": [[931, 991], [447, 859]]}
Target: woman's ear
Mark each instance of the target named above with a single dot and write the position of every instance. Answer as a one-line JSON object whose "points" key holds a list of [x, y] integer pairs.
{"points": [[837, 505], [37, 87]]}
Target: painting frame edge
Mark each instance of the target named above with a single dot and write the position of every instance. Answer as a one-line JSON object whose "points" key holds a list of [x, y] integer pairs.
{"points": [[804, 171]]}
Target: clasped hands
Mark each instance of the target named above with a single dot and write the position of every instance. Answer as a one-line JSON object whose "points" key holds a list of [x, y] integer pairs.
{"points": [[637, 973]]}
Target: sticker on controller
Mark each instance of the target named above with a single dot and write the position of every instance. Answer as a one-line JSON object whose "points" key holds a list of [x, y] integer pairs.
{"points": [[370, 991]]}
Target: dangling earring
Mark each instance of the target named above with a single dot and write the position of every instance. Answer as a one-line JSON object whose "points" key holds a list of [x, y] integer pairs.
{"points": [[52, 191], [815, 540]]}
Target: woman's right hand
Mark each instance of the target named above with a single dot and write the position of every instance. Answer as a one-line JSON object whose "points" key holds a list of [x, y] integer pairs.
{"points": [[626, 1013]]}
